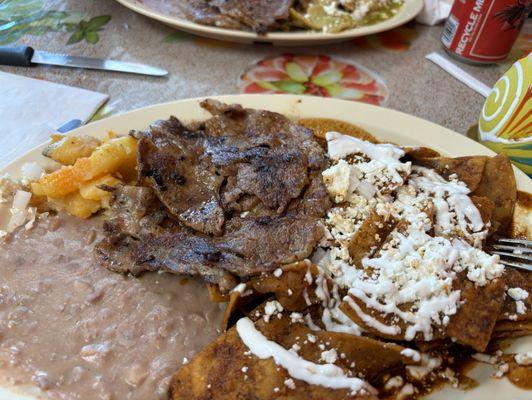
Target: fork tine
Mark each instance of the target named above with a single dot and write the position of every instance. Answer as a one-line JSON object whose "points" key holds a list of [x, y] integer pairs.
{"points": [[516, 250], [527, 243], [516, 265], [512, 255]]}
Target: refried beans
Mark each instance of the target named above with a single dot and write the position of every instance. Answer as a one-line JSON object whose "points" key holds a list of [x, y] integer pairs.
{"points": [[79, 331]]}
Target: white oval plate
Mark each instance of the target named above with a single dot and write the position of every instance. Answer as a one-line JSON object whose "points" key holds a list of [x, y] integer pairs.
{"points": [[409, 10], [385, 124]]}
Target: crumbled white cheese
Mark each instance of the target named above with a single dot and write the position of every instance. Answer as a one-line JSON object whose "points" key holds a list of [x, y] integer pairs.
{"points": [[406, 392], [241, 288], [517, 293], [428, 364], [394, 382], [413, 267], [290, 384], [411, 353], [501, 370], [523, 358], [485, 358], [272, 308], [277, 272], [341, 181], [296, 317], [311, 338], [329, 356]]}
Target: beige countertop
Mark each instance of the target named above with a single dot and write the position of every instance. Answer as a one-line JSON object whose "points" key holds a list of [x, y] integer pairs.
{"points": [[201, 67]]}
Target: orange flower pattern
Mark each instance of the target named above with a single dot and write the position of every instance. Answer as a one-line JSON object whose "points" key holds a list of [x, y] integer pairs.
{"points": [[317, 75]]}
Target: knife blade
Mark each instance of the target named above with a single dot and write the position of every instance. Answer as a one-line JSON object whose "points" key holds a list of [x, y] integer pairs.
{"points": [[25, 56]]}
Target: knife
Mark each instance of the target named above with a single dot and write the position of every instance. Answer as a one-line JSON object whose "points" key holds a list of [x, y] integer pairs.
{"points": [[25, 56]]}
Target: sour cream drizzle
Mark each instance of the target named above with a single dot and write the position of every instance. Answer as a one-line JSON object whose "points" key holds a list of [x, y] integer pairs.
{"points": [[327, 375], [340, 146], [413, 267], [447, 194]]}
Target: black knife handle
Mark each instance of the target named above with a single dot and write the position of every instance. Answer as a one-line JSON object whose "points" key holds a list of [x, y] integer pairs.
{"points": [[19, 56]]}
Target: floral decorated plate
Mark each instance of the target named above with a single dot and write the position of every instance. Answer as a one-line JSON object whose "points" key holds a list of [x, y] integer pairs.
{"points": [[162, 11], [318, 75]]}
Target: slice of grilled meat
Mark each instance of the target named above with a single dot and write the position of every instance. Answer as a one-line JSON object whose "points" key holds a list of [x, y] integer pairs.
{"points": [[234, 196]]}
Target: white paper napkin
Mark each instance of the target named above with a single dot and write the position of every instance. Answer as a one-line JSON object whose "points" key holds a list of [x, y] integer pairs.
{"points": [[30, 109], [434, 11]]}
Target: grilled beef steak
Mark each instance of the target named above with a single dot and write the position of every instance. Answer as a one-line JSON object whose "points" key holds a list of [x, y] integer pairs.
{"points": [[260, 16], [236, 195], [169, 158], [239, 160]]}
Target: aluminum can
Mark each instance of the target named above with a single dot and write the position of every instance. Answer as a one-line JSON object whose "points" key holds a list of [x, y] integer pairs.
{"points": [[484, 31]]}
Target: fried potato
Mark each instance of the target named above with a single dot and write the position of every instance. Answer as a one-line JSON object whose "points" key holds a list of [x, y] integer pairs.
{"points": [[75, 205], [67, 149], [106, 159], [92, 189], [57, 184]]}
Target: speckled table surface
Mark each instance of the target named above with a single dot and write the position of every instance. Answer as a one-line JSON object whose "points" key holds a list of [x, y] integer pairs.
{"points": [[394, 62]]}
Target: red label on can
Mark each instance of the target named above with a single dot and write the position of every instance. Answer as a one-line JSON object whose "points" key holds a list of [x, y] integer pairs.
{"points": [[484, 30]]}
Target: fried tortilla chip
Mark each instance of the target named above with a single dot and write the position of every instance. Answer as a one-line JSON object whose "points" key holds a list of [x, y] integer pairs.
{"points": [[511, 329], [289, 287], [239, 305], [226, 370], [370, 236], [498, 184], [522, 280], [417, 152], [474, 321], [381, 325], [216, 295], [468, 169], [485, 206], [320, 126]]}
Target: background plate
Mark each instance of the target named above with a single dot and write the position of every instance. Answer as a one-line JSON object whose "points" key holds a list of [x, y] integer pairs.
{"points": [[408, 11], [385, 124]]}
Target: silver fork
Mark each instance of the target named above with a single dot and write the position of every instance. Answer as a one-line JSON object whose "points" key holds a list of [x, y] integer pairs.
{"points": [[515, 253]]}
